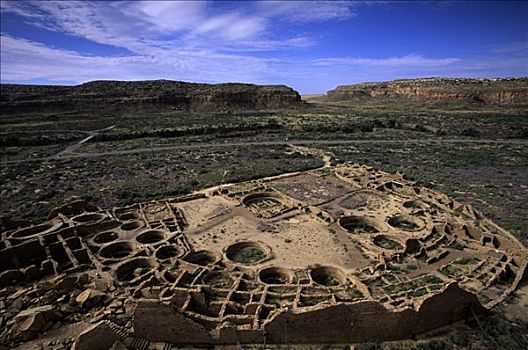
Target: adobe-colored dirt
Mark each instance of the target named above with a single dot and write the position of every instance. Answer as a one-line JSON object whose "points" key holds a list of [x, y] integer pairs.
{"points": [[335, 255]]}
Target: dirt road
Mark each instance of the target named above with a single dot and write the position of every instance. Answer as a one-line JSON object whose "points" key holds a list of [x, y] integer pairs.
{"points": [[69, 153]]}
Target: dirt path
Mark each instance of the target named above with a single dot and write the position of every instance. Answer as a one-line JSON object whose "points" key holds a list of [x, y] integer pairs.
{"points": [[289, 142], [71, 148], [325, 156], [69, 154]]}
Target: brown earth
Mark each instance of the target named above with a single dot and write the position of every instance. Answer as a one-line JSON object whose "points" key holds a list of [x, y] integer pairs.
{"points": [[339, 254]]}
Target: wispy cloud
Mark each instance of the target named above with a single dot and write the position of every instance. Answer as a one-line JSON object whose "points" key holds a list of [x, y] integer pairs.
{"points": [[410, 60], [214, 42], [309, 11], [137, 26], [168, 16], [517, 47], [23, 60], [231, 26]]}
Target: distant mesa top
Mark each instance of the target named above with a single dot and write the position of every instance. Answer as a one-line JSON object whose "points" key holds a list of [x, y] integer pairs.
{"points": [[163, 95], [107, 96], [382, 258], [479, 91]]}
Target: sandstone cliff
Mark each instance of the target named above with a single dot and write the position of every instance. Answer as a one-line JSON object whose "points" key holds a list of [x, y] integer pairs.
{"points": [[112, 96], [487, 91]]}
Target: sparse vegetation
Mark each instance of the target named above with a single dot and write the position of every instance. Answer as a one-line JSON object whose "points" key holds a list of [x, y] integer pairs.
{"points": [[359, 225], [354, 293], [474, 154], [457, 246], [433, 344], [465, 261], [460, 339], [248, 255], [387, 243], [368, 346], [402, 223]]}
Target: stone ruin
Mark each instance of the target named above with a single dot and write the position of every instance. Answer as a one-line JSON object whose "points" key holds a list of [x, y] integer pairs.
{"points": [[336, 255]]}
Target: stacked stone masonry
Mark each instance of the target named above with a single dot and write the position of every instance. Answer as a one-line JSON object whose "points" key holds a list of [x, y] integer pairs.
{"points": [[341, 254]]}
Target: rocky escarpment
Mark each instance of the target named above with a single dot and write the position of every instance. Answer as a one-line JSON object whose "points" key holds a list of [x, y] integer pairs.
{"points": [[111, 96], [485, 91]]}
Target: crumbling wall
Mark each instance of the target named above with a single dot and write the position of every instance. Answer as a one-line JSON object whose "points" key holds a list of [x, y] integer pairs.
{"points": [[342, 323], [155, 321], [369, 320]]}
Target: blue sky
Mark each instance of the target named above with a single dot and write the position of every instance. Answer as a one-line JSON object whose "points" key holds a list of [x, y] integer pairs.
{"points": [[312, 46]]}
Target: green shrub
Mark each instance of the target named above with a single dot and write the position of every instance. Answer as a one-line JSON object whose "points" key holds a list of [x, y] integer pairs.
{"points": [[434, 344], [368, 346], [460, 339]]}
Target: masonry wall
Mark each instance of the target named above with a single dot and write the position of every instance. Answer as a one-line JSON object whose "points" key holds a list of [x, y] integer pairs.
{"points": [[341, 323], [370, 321]]}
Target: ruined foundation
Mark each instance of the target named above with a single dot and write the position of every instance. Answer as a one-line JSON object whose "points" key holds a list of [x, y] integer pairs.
{"points": [[337, 255]]}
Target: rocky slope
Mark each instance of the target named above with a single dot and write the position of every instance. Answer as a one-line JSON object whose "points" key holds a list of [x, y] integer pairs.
{"points": [[110, 96], [487, 91]]}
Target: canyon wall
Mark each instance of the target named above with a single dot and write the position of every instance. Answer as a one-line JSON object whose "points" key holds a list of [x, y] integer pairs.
{"points": [[112, 96], [480, 91]]}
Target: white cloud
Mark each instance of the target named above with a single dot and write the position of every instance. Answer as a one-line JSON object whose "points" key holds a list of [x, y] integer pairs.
{"points": [[231, 26], [308, 11], [137, 26], [404, 61], [171, 16], [189, 41], [517, 47], [23, 60]]}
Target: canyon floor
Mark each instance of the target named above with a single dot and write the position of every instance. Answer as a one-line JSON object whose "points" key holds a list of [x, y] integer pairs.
{"points": [[473, 153]]}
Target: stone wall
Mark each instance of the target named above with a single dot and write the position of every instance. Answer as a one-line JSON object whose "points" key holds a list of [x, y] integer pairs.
{"points": [[342, 323]]}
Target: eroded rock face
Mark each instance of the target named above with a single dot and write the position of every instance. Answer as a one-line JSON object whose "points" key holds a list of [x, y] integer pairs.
{"points": [[158, 322], [489, 91], [34, 320], [109, 96], [90, 297], [98, 337]]}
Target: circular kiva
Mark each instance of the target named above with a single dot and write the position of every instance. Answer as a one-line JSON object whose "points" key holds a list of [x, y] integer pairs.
{"points": [[150, 236], [201, 257], [167, 252], [36, 230], [219, 280], [414, 204], [328, 276], [275, 275], [406, 223], [387, 242], [132, 225], [363, 199], [133, 269], [257, 198], [129, 215], [88, 218], [105, 237], [117, 250], [246, 253], [358, 224]]}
